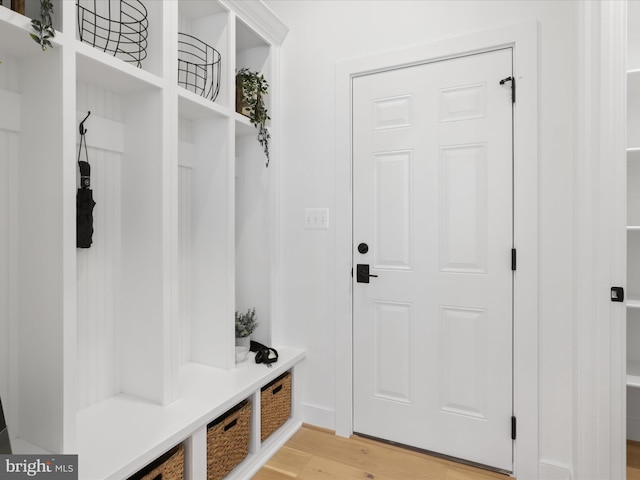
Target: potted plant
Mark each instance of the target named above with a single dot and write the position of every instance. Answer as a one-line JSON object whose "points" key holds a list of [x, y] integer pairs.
{"points": [[44, 26], [246, 323], [251, 87]]}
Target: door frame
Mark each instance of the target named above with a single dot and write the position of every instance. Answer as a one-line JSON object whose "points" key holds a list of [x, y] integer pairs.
{"points": [[523, 38], [599, 228]]}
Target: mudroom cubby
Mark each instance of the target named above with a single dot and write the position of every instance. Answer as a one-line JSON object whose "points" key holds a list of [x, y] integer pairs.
{"points": [[120, 288], [32, 316], [120, 351], [255, 183], [130, 31], [204, 244], [208, 22]]}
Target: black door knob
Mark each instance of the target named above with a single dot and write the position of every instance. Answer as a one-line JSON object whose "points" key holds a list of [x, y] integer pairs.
{"points": [[362, 273]]}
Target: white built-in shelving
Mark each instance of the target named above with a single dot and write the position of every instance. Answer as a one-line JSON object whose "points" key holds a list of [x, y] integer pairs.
{"points": [[633, 373], [633, 221], [121, 351]]}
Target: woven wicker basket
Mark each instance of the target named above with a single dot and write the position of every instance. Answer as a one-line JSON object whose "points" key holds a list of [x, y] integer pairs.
{"points": [[228, 441], [275, 404], [170, 466]]}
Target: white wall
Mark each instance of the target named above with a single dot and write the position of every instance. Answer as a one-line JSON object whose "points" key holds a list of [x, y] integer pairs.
{"points": [[323, 32]]}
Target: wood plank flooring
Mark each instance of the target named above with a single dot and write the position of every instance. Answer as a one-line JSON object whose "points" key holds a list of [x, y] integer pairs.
{"points": [[633, 460], [314, 454]]}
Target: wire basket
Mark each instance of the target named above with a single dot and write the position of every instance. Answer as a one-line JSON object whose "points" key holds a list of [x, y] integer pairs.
{"points": [[118, 27], [198, 66]]}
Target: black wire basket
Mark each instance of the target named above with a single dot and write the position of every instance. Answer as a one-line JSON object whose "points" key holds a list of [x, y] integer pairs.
{"points": [[198, 66], [118, 27]]}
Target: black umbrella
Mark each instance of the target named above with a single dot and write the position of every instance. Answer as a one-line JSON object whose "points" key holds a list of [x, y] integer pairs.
{"points": [[5, 444], [84, 197]]}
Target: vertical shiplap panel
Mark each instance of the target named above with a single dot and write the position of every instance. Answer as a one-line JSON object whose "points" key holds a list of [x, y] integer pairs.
{"points": [[8, 244], [12, 164], [99, 267], [184, 258], [184, 245], [8, 264], [114, 242], [184, 130], [4, 261], [8, 73], [98, 280]]}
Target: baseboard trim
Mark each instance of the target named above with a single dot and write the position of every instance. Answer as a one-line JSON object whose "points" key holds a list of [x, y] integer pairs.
{"points": [[633, 429], [319, 416], [550, 470], [318, 429]]}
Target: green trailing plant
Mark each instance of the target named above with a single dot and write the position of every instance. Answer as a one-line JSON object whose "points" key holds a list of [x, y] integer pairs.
{"points": [[253, 87], [246, 323], [44, 26]]}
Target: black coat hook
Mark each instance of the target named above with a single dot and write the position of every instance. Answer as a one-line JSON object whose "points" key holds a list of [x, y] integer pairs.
{"points": [[82, 129]]}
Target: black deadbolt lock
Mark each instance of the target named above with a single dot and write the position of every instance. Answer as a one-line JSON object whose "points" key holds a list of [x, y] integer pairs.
{"points": [[363, 248]]}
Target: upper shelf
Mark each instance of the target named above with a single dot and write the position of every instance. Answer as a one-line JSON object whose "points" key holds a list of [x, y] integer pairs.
{"points": [[197, 9], [100, 69], [633, 301], [633, 373], [244, 126], [633, 85], [194, 107]]}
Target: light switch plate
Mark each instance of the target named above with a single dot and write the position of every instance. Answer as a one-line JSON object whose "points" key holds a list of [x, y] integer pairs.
{"points": [[316, 218]]}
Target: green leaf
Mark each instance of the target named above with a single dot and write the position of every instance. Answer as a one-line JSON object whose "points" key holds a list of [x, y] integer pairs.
{"points": [[35, 38]]}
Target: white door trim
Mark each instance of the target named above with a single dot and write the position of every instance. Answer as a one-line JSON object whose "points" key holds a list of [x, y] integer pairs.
{"points": [[523, 37], [599, 435]]}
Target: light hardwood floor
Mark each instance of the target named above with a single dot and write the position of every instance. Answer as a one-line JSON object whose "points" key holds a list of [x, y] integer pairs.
{"points": [[314, 454], [633, 460]]}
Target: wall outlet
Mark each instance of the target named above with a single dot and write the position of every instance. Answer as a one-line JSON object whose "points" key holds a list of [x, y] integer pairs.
{"points": [[316, 218]]}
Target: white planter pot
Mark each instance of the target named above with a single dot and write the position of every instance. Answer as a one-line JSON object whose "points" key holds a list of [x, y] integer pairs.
{"points": [[242, 348]]}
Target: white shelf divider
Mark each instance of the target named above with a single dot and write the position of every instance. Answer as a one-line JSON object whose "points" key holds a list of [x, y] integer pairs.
{"points": [[633, 373], [244, 126], [633, 301]]}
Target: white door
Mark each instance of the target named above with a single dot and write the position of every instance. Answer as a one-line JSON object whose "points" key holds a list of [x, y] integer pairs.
{"points": [[433, 196]]}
